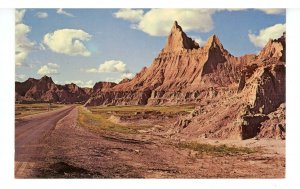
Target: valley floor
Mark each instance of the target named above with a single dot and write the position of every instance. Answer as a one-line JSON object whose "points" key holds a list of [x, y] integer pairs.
{"points": [[79, 147]]}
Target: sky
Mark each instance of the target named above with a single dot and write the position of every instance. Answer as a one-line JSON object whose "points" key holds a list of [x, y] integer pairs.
{"points": [[85, 46]]}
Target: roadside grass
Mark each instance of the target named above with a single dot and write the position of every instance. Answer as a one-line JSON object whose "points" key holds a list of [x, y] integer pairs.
{"points": [[97, 117], [98, 122], [22, 110], [132, 110], [221, 150]]}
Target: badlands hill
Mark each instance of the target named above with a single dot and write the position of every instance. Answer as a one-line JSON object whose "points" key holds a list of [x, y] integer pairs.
{"points": [[45, 90], [235, 97]]}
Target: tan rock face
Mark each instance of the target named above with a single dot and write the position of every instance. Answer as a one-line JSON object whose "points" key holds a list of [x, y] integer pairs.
{"points": [[102, 86], [178, 40], [274, 49], [181, 73], [274, 126], [235, 96], [254, 110]]}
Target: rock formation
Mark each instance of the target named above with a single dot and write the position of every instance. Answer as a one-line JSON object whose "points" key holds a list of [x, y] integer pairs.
{"points": [[178, 40], [45, 90], [236, 97], [181, 73]]}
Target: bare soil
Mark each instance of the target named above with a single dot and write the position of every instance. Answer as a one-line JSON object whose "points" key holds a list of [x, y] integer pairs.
{"points": [[72, 151]]}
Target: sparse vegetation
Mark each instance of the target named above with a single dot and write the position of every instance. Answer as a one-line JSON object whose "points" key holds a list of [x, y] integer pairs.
{"points": [[98, 122], [216, 149], [97, 117], [22, 110], [132, 110]]}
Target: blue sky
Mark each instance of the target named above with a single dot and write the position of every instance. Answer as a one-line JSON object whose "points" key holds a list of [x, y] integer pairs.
{"points": [[89, 45]]}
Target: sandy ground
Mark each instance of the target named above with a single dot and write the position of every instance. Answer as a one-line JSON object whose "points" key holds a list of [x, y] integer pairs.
{"points": [[71, 151]]}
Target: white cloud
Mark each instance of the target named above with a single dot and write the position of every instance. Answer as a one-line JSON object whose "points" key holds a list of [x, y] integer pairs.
{"points": [[122, 76], [41, 14], [61, 11], [80, 83], [272, 32], [157, 22], [127, 75], [109, 66], [20, 77], [116, 66], [49, 69], [112, 66], [23, 45], [92, 70], [68, 41], [19, 14], [273, 11], [130, 14], [199, 40], [112, 79]]}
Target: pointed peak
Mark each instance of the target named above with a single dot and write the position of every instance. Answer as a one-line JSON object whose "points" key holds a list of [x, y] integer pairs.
{"points": [[176, 26], [213, 41], [46, 78], [31, 79], [72, 84], [275, 48], [178, 40]]}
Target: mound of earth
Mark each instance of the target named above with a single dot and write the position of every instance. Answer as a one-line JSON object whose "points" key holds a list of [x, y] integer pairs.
{"points": [[45, 90]]}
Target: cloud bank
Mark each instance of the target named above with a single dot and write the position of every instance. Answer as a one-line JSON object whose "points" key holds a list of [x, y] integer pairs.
{"points": [[157, 22], [20, 77], [68, 41], [264, 35], [109, 66], [49, 69], [131, 15], [81, 83], [23, 45]]}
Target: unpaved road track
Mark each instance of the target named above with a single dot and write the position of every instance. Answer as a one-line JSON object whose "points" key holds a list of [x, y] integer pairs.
{"points": [[30, 132], [53, 145]]}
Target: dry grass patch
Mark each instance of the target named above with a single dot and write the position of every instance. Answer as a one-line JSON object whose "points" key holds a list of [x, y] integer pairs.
{"points": [[216, 149], [99, 122], [132, 110], [22, 110], [99, 117]]}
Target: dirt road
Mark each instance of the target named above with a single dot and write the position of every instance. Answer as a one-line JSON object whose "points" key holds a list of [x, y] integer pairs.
{"points": [[30, 131], [58, 147]]}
